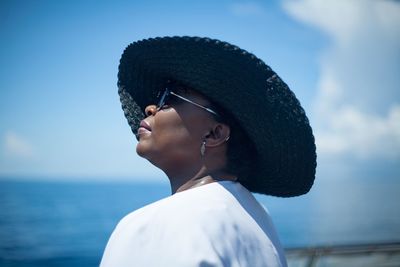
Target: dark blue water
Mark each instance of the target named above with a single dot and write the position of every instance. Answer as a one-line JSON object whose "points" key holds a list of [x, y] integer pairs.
{"points": [[68, 223]]}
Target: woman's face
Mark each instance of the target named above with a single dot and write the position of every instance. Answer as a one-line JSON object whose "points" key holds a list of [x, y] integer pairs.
{"points": [[171, 137]]}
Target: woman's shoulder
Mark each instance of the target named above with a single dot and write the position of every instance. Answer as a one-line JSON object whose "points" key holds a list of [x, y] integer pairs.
{"points": [[226, 204], [197, 204], [210, 221]]}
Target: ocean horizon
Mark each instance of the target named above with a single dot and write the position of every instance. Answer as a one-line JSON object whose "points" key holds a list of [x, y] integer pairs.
{"points": [[68, 223]]}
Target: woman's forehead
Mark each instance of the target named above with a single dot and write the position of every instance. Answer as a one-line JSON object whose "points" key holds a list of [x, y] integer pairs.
{"points": [[192, 95]]}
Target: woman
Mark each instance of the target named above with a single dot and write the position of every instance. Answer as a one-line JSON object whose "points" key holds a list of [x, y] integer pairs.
{"points": [[220, 123]]}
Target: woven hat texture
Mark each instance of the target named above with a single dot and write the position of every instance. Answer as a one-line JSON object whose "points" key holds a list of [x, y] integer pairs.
{"points": [[236, 80]]}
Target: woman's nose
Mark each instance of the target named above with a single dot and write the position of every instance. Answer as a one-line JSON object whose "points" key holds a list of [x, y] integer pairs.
{"points": [[150, 110]]}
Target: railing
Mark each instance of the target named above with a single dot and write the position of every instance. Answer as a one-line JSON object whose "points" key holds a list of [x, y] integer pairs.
{"points": [[365, 255]]}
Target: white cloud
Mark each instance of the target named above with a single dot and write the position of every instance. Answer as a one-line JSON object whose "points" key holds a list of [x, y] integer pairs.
{"points": [[17, 146], [246, 9], [357, 109], [354, 132]]}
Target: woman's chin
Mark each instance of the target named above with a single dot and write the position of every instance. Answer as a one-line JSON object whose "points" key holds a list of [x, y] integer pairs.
{"points": [[141, 149]]}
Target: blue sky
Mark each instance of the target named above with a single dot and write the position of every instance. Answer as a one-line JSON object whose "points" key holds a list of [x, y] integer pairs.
{"points": [[60, 115]]}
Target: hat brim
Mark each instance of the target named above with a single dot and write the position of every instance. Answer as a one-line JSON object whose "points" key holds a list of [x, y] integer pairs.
{"points": [[262, 104]]}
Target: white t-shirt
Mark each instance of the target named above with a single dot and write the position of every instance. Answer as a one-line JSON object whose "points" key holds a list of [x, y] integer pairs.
{"points": [[217, 224]]}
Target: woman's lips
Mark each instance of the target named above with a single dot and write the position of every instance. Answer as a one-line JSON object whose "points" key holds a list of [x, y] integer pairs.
{"points": [[144, 128]]}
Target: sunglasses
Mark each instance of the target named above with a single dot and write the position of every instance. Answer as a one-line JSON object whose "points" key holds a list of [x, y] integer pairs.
{"points": [[165, 98]]}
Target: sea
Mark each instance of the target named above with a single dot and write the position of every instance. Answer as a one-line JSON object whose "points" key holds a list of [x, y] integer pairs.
{"points": [[67, 223]]}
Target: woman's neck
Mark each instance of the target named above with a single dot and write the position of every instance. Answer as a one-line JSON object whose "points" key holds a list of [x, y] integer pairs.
{"points": [[199, 180]]}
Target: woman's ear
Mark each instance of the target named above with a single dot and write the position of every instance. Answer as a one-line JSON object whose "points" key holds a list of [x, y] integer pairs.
{"points": [[219, 134]]}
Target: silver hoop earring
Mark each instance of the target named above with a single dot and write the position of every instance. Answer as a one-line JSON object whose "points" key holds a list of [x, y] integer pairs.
{"points": [[203, 148]]}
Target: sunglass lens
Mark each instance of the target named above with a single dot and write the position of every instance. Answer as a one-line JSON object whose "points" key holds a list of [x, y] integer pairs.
{"points": [[162, 98]]}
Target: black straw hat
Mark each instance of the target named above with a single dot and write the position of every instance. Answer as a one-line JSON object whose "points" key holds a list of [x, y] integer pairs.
{"points": [[239, 82]]}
